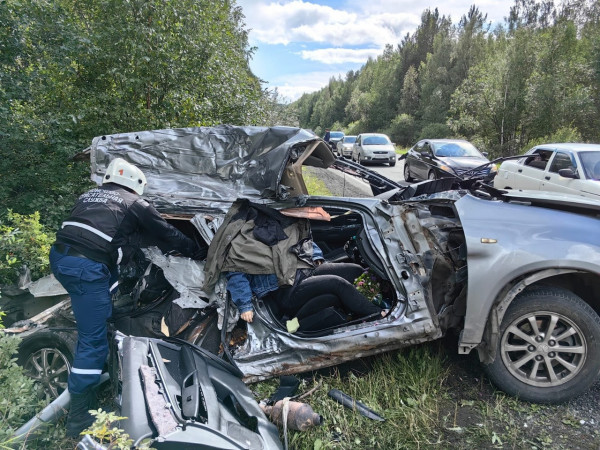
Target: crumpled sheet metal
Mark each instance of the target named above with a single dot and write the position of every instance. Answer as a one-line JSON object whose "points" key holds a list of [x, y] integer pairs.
{"points": [[187, 277], [47, 286], [186, 167]]}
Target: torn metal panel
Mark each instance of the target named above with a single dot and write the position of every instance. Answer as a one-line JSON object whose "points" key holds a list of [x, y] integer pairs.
{"points": [[187, 277], [46, 287], [184, 274], [195, 168]]}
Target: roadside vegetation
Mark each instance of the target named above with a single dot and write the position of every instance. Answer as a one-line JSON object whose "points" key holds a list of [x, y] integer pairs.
{"points": [[431, 398], [71, 72], [505, 87]]}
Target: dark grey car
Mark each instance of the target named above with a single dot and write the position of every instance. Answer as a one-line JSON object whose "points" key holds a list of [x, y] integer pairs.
{"points": [[516, 274], [430, 159]]}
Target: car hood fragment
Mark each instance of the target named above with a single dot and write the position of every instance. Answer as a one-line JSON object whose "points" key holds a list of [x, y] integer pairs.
{"points": [[464, 162], [188, 167]]}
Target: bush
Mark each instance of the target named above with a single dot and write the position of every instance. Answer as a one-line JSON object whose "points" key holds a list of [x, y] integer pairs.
{"points": [[402, 130], [565, 134], [435, 131], [18, 394], [23, 241]]}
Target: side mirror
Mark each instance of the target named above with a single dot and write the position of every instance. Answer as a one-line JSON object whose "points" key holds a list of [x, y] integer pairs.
{"points": [[402, 156], [568, 173]]}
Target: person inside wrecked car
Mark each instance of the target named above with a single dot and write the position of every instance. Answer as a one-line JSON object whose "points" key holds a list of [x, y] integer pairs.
{"points": [[104, 229], [270, 254]]}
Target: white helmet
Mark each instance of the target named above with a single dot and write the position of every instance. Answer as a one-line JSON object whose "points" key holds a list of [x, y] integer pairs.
{"points": [[121, 172]]}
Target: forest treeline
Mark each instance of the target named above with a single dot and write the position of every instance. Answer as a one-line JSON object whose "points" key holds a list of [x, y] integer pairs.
{"points": [[534, 78], [71, 70]]}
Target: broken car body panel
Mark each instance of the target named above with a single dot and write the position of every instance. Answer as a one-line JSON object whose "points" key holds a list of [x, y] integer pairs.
{"points": [[454, 253], [252, 162], [190, 168]]}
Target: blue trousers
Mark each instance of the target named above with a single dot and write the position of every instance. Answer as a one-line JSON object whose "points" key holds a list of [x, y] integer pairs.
{"points": [[89, 284]]}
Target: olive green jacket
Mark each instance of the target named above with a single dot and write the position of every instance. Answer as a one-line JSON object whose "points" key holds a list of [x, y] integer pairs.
{"points": [[234, 249]]}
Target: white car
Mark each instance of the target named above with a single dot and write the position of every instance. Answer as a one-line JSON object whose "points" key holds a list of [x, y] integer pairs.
{"points": [[566, 168], [374, 148], [344, 146]]}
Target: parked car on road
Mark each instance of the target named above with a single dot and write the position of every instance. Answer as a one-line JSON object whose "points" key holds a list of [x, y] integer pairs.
{"points": [[430, 159], [344, 146], [515, 274], [374, 148], [566, 168]]}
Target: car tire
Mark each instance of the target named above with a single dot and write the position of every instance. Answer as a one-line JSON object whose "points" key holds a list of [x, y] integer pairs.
{"points": [[526, 365], [407, 176], [431, 176], [46, 356]]}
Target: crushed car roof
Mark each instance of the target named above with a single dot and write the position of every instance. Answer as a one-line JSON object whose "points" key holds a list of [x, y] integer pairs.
{"points": [[186, 167]]}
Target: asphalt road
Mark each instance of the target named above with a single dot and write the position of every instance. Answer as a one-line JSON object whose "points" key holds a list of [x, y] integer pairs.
{"points": [[395, 173]]}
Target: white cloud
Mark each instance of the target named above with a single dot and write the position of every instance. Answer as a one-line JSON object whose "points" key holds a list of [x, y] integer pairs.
{"points": [[295, 85], [299, 21], [357, 30], [340, 55], [495, 9]]}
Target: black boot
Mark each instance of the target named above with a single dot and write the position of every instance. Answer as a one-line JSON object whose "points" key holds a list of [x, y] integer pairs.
{"points": [[79, 417]]}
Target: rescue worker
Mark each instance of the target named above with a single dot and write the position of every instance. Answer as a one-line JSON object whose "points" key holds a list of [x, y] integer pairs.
{"points": [[104, 229]]}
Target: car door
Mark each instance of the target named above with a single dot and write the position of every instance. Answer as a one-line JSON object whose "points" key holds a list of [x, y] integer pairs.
{"points": [[339, 147], [419, 167], [429, 160], [530, 172], [554, 182]]}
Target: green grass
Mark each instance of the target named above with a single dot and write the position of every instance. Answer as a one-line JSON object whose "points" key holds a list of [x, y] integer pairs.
{"points": [[405, 387], [314, 185]]}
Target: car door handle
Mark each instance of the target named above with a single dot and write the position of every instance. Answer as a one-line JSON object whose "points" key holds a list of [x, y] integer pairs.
{"points": [[547, 178], [520, 170]]}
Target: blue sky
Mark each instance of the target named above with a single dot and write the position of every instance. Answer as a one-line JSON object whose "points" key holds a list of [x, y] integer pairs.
{"points": [[301, 44]]}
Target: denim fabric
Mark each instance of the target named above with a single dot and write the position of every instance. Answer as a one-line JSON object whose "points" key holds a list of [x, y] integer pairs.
{"points": [[88, 283], [241, 286], [317, 253]]}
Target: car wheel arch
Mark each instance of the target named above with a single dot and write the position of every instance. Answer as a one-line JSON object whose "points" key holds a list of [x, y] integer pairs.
{"points": [[57, 344], [561, 362], [487, 346]]}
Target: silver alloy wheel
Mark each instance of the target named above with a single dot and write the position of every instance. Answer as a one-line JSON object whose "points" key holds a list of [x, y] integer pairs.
{"points": [[543, 349], [51, 368], [431, 176]]}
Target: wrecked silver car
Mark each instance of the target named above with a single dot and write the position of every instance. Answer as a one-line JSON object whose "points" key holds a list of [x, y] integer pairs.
{"points": [[516, 274]]}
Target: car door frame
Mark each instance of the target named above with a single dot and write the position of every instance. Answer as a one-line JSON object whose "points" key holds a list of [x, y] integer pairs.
{"points": [[531, 176], [418, 166], [553, 182]]}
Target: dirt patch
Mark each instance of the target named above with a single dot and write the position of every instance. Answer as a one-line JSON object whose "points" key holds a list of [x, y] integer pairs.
{"points": [[475, 414]]}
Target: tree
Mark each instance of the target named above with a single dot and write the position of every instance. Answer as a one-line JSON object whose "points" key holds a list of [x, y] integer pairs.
{"points": [[409, 101], [72, 72]]}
